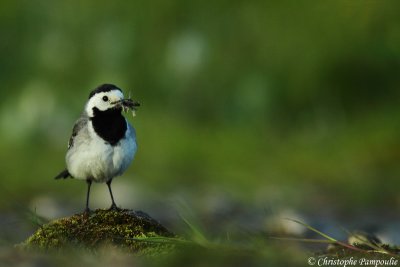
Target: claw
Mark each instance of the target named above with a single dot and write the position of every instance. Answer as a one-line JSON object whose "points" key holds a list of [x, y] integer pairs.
{"points": [[114, 208], [86, 213]]}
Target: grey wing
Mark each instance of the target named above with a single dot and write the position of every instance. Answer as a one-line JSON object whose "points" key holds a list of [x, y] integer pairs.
{"points": [[79, 125]]}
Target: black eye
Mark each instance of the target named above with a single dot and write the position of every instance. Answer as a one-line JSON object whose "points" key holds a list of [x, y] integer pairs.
{"points": [[105, 98]]}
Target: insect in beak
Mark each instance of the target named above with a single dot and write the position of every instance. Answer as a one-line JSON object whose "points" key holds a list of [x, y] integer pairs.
{"points": [[128, 104]]}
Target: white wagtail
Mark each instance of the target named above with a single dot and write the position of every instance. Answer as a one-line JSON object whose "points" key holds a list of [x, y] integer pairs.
{"points": [[103, 143]]}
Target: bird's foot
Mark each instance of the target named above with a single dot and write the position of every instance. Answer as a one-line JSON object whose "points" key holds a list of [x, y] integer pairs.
{"points": [[86, 211], [114, 207]]}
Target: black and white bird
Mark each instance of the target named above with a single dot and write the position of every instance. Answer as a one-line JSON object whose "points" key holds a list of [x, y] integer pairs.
{"points": [[103, 143]]}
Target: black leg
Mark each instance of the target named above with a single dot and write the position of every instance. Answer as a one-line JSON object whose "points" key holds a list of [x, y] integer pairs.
{"points": [[113, 205], [89, 182]]}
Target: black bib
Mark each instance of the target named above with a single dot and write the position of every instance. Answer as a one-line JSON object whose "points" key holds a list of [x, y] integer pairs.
{"points": [[109, 125]]}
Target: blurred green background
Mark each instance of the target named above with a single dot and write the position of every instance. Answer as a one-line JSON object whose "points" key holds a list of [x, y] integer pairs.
{"points": [[247, 106]]}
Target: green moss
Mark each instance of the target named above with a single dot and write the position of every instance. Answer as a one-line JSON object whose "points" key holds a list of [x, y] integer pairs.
{"points": [[118, 228]]}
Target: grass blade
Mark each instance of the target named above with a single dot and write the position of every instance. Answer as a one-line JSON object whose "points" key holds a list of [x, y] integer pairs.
{"points": [[314, 230]]}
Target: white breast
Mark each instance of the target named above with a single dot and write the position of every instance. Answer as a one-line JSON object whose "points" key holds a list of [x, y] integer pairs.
{"points": [[92, 157]]}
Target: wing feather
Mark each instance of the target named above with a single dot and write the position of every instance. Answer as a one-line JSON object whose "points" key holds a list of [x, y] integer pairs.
{"points": [[78, 126]]}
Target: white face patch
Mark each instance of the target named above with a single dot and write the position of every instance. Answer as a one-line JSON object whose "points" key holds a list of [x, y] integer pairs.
{"points": [[103, 101]]}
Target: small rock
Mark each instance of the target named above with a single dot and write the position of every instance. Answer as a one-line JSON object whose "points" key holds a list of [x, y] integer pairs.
{"points": [[118, 228]]}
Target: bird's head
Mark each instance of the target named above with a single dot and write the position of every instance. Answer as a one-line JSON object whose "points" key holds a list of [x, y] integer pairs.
{"points": [[108, 97]]}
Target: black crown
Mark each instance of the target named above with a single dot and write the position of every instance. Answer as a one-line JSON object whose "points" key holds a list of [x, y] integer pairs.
{"points": [[103, 88]]}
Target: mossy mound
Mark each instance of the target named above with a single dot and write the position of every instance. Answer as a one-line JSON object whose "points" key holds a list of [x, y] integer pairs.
{"points": [[119, 228]]}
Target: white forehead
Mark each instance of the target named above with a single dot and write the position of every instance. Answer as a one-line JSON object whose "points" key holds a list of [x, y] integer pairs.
{"points": [[113, 93], [118, 93]]}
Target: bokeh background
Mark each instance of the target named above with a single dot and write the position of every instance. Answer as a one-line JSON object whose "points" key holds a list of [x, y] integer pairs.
{"points": [[251, 110]]}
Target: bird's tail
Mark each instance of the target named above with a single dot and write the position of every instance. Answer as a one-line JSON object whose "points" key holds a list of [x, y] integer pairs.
{"points": [[64, 174]]}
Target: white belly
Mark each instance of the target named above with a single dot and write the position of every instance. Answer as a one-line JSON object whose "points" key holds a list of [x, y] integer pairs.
{"points": [[93, 158]]}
